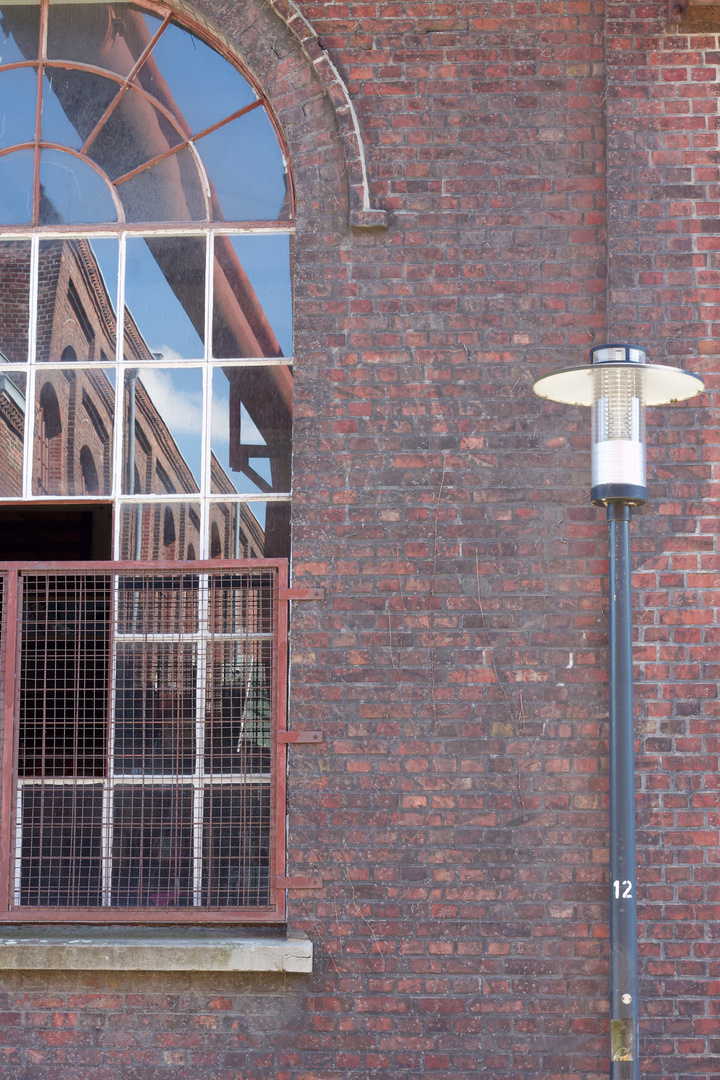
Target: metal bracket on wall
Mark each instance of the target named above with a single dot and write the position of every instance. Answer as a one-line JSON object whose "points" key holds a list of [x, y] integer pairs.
{"points": [[299, 882], [677, 10], [300, 736], [304, 593]]}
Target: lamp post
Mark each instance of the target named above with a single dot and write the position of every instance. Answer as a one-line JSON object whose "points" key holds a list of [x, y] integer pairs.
{"points": [[618, 384]]}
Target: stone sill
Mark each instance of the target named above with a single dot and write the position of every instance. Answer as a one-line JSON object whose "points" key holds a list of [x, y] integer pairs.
{"points": [[134, 948]]}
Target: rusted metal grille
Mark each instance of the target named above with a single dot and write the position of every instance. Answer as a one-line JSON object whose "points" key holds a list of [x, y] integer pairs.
{"points": [[146, 761]]}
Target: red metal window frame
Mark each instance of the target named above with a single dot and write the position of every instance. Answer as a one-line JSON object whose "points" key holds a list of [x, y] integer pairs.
{"points": [[11, 576]]}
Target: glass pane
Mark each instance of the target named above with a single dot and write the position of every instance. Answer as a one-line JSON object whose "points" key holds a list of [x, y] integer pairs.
{"points": [[236, 847], [165, 442], [241, 602], [13, 386], [19, 32], [77, 297], [73, 102], [14, 301], [134, 133], [168, 191], [104, 253], [71, 191], [238, 726], [16, 188], [157, 604], [252, 429], [18, 96], [253, 530], [246, 168], [155, 703], [111, 36], [195, 82], [73, 436], [252, 313], [159, 531], [152, 847], [61, 846], [165, 298], [63, 690]]}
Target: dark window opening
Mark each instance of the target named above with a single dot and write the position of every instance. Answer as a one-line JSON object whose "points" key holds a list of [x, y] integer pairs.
{"points": [[57, 534]]}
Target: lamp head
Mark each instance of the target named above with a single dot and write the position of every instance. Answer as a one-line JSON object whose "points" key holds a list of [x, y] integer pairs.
{"points": [[618, 384]]}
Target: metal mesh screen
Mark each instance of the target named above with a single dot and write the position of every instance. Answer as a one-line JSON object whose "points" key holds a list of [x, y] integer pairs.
{"points": [[145, 739]]}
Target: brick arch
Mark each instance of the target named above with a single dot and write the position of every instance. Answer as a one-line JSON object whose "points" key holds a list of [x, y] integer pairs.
{"points": [[280, 47]]}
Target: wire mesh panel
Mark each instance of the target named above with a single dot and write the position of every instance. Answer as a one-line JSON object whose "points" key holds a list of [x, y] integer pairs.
{"points": [[146, 758], [60, 854]]}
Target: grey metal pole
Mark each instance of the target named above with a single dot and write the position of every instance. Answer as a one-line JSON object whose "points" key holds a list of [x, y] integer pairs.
{"points": [[624, 1064]]}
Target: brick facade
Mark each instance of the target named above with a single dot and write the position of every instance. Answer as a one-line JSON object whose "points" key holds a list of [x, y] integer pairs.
{"points": [[457, 809]]}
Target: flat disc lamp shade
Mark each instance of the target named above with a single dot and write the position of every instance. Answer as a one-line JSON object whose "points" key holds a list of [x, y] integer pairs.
{"points": [[618, 384]]}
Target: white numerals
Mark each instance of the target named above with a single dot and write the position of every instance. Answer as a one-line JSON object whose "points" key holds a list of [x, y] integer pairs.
{"points": [[622, 889]]}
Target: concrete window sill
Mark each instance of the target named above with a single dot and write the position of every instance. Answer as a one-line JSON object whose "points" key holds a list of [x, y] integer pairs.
{"points": [[135, 948]]}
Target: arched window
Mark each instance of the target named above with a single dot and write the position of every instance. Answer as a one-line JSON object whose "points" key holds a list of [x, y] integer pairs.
{"points": [[157, 173], [91, 485], [147, 205], [168, 530], [215, 542], [49, 458]]}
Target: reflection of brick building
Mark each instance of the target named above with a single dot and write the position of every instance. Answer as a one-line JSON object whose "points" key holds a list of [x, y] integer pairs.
{"points": [[12, 421], [74, 412]]}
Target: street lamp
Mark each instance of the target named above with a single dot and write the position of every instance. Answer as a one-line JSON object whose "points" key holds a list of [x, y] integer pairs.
{"points": [[618, 384]]}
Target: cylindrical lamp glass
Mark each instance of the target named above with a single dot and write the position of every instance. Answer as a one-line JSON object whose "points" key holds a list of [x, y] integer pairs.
{"points": [[618, 425]]}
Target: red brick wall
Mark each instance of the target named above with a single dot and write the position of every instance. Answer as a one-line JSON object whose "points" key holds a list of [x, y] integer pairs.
{"points": [[457, 809], [664, 201]]}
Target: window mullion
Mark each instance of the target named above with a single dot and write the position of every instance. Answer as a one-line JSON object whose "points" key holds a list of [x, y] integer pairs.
{"points": [[109, 784], [119, 399], [201, 663]]}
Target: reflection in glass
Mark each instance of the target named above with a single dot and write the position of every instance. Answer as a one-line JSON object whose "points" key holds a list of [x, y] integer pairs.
{"points": [[111, 36], [239, 688], [252, 428], [14, 300], [144, 527], [146, 604], [155, 705], [61, 855], [105, 251], [72, 191], [73, 434], [193, 80], [63, 702], [134, 132], [252, 530], [236, 846], [19, 32], [13, 386], [73, 103], [16, 188], [163, 426], [165, 296], [76, 300], [169, 191], [17, 120], [252, 313], [152, 847], [246, 169]]}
